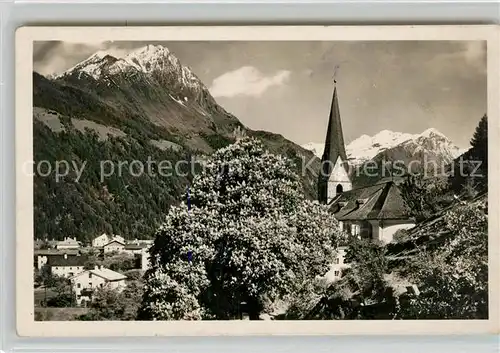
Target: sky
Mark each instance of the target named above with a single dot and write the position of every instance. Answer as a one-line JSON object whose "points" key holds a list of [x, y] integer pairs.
{"points": [[286, 87]]}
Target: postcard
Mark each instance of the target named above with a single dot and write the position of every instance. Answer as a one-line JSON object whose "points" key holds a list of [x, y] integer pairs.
{"points": [[257, 180]]}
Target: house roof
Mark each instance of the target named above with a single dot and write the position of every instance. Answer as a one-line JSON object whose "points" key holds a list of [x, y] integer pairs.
{"points": [[135, 246], [55, 252], [114, 241], [105, 273], [59, 260], [108, 274], [374, 202]]}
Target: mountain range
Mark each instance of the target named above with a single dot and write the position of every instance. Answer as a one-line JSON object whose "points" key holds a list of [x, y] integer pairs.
{"points": [[412, 152], [146, 105], [366, 147]]}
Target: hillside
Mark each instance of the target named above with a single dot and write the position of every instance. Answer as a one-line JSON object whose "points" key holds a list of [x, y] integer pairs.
{"points": [[144, 107]]}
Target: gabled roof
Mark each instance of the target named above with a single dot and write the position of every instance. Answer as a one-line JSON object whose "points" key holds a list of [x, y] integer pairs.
{"points": [[374, 202], [108, 274], [59, 260], [104, 273], [114, 241]]}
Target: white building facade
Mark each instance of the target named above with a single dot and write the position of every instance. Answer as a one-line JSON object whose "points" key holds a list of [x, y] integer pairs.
{"points": [[114, 246], [68, 243], [86, 282], [339, 264], [66, 265]]}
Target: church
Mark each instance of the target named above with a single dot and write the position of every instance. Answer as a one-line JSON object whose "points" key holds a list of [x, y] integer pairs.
{"points": [[373, 212]]}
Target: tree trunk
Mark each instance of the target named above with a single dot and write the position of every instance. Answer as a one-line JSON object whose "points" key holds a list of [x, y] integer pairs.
{"points": [[254, 308]]}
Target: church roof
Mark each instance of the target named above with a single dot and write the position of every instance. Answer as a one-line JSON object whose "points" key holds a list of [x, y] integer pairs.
{"points": [[334, 143], [334, 148], [374, 202]]}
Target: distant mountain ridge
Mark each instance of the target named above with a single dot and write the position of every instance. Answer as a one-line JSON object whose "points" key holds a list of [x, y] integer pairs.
{"points": [[366, 148], [390, 154]]}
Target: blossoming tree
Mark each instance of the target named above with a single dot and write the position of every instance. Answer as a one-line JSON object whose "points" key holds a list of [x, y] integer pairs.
{"points": [[248, 235]]}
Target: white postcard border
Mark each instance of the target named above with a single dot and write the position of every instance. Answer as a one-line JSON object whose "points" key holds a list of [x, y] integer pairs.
{"points": [[25, 36]]}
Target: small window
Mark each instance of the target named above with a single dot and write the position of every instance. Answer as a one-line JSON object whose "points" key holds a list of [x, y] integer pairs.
{"points": [[90, 274], [78, 285], [337, 273], [340, 189], [70, 268], [101, 285], [337, 261], [90, 284]]}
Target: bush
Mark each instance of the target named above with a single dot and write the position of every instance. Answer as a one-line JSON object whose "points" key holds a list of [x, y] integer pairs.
{"points": [[63, 300], [111, 304], [401, 236]]}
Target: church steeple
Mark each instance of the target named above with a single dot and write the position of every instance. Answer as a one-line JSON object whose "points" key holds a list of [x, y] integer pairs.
{"points": [[334, 170]]}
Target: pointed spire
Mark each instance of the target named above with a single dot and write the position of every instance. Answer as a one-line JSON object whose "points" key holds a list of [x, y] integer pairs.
{"points": [[334, 146]]}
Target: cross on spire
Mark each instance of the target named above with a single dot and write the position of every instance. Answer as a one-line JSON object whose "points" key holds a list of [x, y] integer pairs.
{"points": [[335, 70]]}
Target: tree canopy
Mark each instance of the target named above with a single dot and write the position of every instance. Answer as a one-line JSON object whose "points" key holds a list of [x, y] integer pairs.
{"points": [[247, 236]]}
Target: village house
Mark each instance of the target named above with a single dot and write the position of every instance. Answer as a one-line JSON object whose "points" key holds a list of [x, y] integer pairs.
{"points": [[104, 239], [86, 282], [100, 241], [374, 212], [338, 265], [66, 266], [68, 243], [135, 249], [114, 246], [41, 256]]}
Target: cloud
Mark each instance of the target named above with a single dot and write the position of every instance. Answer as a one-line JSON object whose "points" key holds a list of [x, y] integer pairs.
{"points": [[246, 81], [55, 57]]}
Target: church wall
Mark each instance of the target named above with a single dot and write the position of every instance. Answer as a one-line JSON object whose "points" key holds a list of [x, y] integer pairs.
{"points": [[375, 230], [391, 227], [338, 176]]}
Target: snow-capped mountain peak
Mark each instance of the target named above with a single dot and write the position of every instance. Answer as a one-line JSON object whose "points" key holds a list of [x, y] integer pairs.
{"points": [[430, 132], [367, 147], [91, 66], [151, 57], [147, 59]]}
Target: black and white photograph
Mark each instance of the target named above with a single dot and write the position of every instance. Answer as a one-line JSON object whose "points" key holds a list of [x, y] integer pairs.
{"points": [[260, 180]]}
